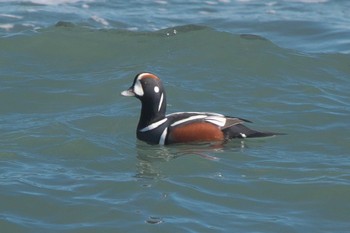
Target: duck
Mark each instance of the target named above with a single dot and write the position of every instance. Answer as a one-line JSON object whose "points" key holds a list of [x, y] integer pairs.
{"points": [[157, 127]]}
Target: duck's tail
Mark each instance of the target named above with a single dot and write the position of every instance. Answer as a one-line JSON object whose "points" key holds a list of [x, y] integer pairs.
{"points": [[242, 131]]}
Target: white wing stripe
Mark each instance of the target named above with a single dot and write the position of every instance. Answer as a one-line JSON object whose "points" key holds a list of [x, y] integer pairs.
{"points": [[198, 113], [216, 120], [153, 125], [188, 119]]}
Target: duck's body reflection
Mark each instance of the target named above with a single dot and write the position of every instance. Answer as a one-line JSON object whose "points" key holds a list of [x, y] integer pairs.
{"points": [[149, 157]]}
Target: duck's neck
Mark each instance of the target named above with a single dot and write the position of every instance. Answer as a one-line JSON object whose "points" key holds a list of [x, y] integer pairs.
{"points": [[152, 111]]}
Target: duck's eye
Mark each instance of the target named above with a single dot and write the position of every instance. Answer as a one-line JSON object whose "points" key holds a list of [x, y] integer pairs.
{"points": [[156, 89]]}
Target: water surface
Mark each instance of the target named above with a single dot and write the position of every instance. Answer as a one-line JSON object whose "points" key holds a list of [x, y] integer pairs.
{"points": [[69, 158]]}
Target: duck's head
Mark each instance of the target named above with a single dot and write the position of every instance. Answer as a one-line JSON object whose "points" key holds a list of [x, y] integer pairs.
{"points": [[148, 88]]}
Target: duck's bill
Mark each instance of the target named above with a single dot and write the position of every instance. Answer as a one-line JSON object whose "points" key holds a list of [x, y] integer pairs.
{"points": [[128, 92]]}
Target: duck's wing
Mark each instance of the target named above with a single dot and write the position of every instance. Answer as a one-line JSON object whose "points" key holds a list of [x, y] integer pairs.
{"points": [[219, 120]]}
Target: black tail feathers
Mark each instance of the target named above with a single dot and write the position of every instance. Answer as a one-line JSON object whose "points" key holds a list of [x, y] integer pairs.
{"points": [[241, 131]]}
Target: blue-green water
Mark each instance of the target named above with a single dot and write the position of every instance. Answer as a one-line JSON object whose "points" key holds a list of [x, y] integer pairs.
{"points": [[69, 158]]}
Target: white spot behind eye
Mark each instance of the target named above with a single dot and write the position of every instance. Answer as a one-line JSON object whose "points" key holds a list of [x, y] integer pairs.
{"points": [[156, 89]]}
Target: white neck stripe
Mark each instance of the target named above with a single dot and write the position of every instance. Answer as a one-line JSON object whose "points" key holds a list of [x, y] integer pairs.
{"points": [[153, 125], [160, 102]]}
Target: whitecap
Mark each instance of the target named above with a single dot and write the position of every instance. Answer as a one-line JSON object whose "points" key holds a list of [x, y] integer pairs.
{"points": [[309, 1], [54, 2], [11, 16], [6, 26], [100, 20]]}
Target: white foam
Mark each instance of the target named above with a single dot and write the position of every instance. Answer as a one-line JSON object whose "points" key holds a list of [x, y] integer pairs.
{"points": [[11, 16], [309, 1], [100, 20], [162, 2], [6, 26], [54, 2]]}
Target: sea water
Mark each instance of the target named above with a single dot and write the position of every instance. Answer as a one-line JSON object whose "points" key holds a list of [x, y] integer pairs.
{"points": [[69, 157]]}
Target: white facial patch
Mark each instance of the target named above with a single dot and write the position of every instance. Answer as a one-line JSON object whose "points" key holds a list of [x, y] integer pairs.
{"points": [[156, 89], [138, 89]]}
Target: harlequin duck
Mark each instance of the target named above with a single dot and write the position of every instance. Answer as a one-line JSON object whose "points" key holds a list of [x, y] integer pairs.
{"points": [[155, 127]]}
